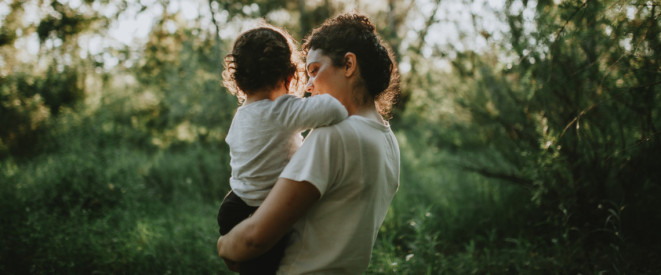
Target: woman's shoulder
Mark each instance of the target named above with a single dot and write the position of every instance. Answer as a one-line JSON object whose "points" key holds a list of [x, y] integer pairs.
{"points": [[353, 128], [339, 131]]}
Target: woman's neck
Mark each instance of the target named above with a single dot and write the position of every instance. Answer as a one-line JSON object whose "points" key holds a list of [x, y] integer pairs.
{"points": [[369, 111], [360, 104]]}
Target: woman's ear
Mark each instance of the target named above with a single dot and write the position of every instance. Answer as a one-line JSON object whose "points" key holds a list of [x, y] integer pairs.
{"points": [[350, 64]]}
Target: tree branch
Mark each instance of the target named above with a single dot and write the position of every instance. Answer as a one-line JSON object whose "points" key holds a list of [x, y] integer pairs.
{"points": [[527, 183], [428, 23], [213, 20]]}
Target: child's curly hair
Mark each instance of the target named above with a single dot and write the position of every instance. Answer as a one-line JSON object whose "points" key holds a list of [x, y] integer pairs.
{"points": [[260, 59]]}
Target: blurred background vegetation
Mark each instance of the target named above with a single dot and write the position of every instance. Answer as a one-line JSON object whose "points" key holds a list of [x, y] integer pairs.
{"points": [[529, 133]]}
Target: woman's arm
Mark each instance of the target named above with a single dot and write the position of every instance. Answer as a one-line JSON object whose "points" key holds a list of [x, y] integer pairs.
{"points": [[285, 204]]}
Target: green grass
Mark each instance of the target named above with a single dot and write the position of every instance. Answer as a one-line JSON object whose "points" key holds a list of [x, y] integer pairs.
{"points": [[447, 221], [97, 203], [88, 208]]}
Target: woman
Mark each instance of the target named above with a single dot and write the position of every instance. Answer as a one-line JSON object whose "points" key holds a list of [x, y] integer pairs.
{"points": [[266, 130], [337, 188]]}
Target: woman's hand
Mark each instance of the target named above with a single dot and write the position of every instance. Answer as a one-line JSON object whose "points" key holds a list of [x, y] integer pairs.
{"points": [[233, 266], [284, 205]]}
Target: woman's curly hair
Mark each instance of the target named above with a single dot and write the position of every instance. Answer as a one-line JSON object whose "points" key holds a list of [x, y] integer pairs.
{"points": [[260, 59], [355, 33]]}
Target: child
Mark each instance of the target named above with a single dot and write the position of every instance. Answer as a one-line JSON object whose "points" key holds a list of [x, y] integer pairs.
{"points": [[266, 129]]}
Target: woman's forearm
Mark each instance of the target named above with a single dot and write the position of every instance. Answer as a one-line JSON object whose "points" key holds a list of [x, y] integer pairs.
{"points": [[241, 244], [285, 204]]}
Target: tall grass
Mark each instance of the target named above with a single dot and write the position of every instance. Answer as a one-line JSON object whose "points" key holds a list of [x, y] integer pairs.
{"points": [[447, 221], [103, 200], [94, 206]]}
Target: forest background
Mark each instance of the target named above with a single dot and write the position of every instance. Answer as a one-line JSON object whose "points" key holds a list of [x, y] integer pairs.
{"points": [[529, 134]]}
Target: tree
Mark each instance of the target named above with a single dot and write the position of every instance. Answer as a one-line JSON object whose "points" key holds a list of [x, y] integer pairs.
{"points": [[573, 117], [35, 90]]}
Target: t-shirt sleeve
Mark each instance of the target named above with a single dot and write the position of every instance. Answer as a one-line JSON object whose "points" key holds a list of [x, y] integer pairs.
{"points": [[318, 161], [312, 112]]}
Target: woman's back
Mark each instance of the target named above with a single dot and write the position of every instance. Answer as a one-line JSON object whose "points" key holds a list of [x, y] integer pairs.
{"points": [[355, 166]]}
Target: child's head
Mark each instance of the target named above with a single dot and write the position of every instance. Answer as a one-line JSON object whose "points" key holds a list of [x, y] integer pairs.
{"points": [[261, 59]]}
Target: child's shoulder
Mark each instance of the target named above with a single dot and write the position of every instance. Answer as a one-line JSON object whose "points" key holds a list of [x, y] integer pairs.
{"points": [[290, 97], [287, 97]]}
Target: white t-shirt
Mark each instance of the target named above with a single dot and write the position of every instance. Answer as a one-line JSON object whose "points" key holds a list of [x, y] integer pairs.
{"points": [[355, 166], [265, 134]]}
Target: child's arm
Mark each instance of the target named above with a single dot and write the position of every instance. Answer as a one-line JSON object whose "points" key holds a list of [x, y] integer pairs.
{"points": [[312, 112]]}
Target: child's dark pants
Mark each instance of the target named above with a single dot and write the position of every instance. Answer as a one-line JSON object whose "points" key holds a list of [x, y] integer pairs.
{"points": [[232, 211]]}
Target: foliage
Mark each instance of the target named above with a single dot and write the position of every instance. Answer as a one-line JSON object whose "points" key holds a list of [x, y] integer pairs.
{"points": [[574, 119], [537, 154]]}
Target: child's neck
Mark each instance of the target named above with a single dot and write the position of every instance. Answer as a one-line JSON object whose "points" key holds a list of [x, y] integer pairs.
{"points": [[270, 94]]}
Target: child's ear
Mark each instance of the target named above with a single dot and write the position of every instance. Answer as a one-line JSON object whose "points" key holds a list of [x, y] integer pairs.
{"points": [[350, 64], [287, 82]]}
